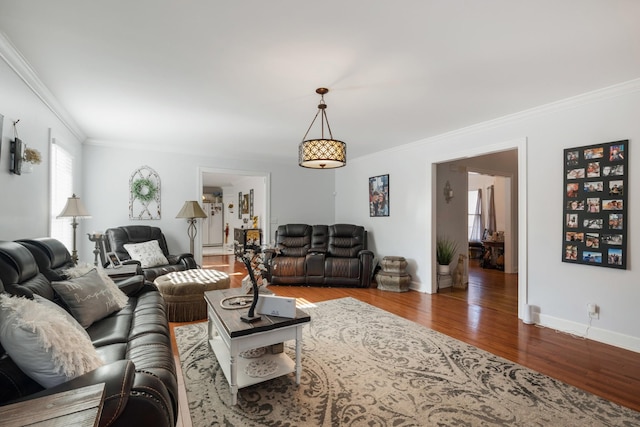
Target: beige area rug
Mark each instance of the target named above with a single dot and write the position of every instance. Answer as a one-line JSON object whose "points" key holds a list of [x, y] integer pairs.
{"points": [[363, 366]]}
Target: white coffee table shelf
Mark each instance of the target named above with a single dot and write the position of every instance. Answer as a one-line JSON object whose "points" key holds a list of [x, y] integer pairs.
{"points": [[229, 337], [283, 362]]}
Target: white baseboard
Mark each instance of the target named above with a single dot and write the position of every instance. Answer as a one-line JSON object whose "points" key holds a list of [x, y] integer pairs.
{"points": [[591, 332]]}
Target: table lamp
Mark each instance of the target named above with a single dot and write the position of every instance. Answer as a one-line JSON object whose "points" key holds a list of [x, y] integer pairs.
{"points": [[74, 209], [191, 211]]}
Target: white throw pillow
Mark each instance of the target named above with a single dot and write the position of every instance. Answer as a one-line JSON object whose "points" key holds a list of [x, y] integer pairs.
{"points": [[43, 342], [148, 253], [87, 297], [79, 270]]}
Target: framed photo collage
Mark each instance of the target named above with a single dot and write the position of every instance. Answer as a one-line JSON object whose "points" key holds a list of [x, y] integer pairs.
{"points": [[595, 205]]}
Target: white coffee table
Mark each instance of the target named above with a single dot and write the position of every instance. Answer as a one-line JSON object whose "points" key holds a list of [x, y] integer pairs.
{"points": [[229, 337]]}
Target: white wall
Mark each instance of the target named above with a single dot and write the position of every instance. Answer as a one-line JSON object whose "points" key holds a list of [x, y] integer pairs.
{"points": [[24, 199], [451, 217], [297, 194], [559, 291]]}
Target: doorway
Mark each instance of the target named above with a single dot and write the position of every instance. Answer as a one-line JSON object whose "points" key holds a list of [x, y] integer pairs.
{"points": [[518, 240], [228, 185]]}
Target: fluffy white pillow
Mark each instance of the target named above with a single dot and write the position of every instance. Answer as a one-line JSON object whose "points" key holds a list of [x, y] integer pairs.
{"points": [[148, 253], [79, 270], [87, 298], [43, 342]]}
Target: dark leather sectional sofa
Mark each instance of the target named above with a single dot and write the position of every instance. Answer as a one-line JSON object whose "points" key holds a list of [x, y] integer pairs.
{"points": [[139, 371], [320, 255]]}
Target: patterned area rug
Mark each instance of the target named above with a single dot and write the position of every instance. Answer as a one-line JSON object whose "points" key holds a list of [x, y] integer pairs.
{"points": [[363, 366]]}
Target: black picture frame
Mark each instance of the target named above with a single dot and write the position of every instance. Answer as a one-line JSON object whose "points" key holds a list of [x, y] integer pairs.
{"points": [[114, 260], [595, 205], [379, 195]]}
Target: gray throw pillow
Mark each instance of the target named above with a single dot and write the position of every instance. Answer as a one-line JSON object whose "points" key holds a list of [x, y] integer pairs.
{"points": [[87, 297]]}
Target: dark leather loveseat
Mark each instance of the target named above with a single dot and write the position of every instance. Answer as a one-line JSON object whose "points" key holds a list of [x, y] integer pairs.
{"points": [[117, 237], [138, 372], [321, 255]]}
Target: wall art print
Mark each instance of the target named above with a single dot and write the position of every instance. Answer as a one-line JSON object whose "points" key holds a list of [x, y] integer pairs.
{"points": [[379, 195], [596, 215], [144, 194]]}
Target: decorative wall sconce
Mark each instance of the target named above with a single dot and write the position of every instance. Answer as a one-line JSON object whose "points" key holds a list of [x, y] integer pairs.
{"points": [[17, 151], [448, 192], [20, 155]]}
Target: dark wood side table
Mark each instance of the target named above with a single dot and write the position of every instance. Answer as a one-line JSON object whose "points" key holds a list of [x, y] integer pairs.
{"points": [[492, 250], [79, 407], [122, 272], [247, 238]]}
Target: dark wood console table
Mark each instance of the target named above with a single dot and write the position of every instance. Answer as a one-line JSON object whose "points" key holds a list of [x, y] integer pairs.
{"points": [[247, 238], [492, 250]]}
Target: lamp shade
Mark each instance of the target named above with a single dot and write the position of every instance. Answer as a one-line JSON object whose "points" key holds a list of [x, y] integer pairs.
{"points": [[322, 153], [191, 209], [74, 208]]}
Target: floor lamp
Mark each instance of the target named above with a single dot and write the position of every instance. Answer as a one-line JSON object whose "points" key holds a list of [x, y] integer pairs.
{"points": [[74, 209], [191, 211]]}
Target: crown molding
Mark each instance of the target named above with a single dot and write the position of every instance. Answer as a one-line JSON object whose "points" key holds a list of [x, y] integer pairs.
{"points": [[613, 91], [21, 67]]}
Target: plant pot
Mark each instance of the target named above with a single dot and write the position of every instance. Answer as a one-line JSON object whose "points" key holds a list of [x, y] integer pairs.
{"points": [[443, 270]]}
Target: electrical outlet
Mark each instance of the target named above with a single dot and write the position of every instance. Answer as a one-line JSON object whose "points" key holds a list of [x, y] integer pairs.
{"points": [[593, 311]]}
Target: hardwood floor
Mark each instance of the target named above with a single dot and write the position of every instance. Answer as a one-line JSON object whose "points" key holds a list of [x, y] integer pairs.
{"points": [[484, 315]]}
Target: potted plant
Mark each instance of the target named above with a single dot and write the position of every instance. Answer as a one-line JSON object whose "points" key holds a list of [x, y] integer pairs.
{"points": [[446, 249]]}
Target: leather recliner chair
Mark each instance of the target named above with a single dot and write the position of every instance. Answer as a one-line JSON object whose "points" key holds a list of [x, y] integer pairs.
{"points": [[117, 237]]}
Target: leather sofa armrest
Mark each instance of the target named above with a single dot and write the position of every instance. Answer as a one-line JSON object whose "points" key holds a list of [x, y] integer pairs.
{"points": [[118, 378], [131, 285], [365, 253], [317, 251], [270, 253], [187, 259], [366, 263], [130, 262]]}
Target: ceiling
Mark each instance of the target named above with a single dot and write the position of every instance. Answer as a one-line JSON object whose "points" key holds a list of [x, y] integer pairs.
{"points": [[238, 78]]}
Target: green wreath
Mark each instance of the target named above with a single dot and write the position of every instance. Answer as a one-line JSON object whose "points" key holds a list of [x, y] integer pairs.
{"points": [[144, 189]]}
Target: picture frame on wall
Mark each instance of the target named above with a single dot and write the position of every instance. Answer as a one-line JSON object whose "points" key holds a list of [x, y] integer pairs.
{"points": [[595, 217], [379, 195]]}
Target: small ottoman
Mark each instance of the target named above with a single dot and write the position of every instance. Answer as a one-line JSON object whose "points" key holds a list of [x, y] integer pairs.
{"points": [[183, 292]]}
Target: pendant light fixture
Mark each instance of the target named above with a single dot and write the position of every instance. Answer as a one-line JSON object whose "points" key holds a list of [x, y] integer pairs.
{"points": [[322, 153]]}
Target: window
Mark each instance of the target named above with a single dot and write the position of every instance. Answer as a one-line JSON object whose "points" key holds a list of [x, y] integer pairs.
{"points": [[61, 190], [474, 214]]}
